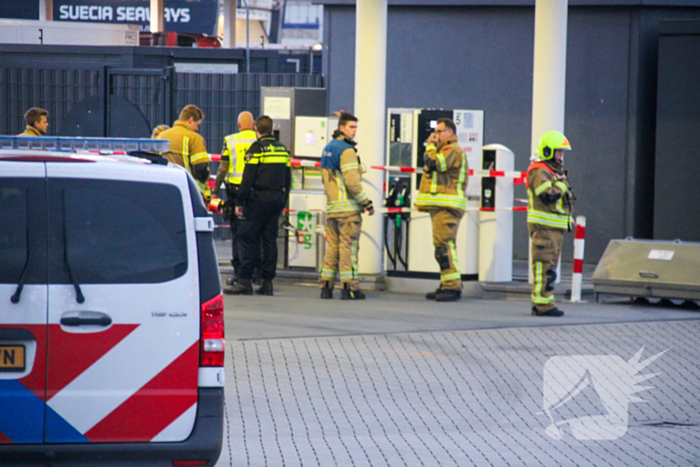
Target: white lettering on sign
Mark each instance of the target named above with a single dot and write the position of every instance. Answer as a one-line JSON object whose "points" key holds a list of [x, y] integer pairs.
{"points": [[665, 255], [177, 15], [131, 14], [85, 13]]}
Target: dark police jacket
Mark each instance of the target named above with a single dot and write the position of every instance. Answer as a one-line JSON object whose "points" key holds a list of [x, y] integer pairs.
{"points": [[266, 169]]}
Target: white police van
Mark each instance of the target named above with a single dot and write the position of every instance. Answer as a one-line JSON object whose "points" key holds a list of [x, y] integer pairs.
{"points": [[111, 314]]}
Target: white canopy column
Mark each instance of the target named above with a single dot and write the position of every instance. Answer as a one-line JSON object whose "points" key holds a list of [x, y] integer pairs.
{"points": [[370, 109]]}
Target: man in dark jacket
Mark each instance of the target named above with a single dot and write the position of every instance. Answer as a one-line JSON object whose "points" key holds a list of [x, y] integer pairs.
{"points": [[261, 198]]}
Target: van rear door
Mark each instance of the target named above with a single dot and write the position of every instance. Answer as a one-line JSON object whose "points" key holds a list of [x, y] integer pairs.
{"points": [[23, 301], [123, 305]]}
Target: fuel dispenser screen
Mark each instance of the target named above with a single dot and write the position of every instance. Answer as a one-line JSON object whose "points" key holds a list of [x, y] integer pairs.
{"points": [[488, 184], [399, 150]]}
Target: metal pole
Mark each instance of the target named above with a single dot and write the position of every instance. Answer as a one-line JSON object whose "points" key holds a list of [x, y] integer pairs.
{"points": [[157, 16], [247, 37], [230, 7], [370, 108]]}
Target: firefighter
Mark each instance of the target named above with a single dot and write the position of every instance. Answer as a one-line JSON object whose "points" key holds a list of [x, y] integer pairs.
{"points": [[37, 123], [442, 193], [550, 205], [188, 148], [261, 197], [346, 200], [158, 130], [231, 168]]}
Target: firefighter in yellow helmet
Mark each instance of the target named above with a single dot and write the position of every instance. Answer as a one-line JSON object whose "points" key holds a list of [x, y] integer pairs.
{"points": [[550, 205]]}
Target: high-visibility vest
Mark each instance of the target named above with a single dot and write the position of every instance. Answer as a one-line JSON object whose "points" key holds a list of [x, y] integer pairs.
{"points": [[237, 146], [560, 218], [272, 154]]}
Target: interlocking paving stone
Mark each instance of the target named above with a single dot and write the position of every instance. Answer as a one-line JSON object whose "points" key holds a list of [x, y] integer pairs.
{"points": [[454, 398]]}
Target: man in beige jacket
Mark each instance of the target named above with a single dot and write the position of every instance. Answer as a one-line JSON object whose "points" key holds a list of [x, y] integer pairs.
{"points": [[37, 123], [442, 193]]}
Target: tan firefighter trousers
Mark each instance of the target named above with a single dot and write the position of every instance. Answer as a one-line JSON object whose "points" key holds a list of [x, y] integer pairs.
{"points": [[545, 250], [341, 251], [445, 226]]}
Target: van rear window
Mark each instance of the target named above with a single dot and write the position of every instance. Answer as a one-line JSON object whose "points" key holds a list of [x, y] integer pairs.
{"points": [[22, 230], [115, 232]]}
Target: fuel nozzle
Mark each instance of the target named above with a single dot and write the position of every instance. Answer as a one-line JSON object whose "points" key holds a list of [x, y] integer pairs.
{"points": [[390, 199]]}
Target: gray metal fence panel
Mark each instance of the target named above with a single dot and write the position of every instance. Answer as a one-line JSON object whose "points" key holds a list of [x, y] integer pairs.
{"points": [[56, 90], [159, 94], [223, 96], [148, 90]]}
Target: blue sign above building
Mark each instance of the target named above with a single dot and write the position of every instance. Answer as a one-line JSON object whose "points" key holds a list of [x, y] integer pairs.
{"points": [[180, 15]]}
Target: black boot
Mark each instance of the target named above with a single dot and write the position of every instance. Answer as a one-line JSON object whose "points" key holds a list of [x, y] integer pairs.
{"points": [[265, 288], [432, 295], [347, 294], [326, 291], [242, 287], [448, 295], [553, 312]]}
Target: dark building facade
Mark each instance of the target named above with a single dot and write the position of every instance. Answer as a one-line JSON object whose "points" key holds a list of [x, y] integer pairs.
{"points": [[472, 54]]}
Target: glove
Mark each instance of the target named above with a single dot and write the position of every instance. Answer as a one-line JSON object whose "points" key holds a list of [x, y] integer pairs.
{"points": [[369, 207], [201, 172]]}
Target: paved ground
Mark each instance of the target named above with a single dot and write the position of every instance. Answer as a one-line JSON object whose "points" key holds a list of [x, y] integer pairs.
{"points": [[396, 380]]}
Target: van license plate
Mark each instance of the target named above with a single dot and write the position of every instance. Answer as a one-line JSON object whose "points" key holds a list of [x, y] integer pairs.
{"points": [[12, 358]]}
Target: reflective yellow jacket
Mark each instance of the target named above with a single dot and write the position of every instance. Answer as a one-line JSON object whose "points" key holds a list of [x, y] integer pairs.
{"points": [[188, 149], [235, 148], [550, 201], [445, 178], [342, 179]]}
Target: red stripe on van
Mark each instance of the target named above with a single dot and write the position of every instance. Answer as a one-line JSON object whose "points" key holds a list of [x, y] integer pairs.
{"points": [[70, 354], [4, 439], [155, 406]]}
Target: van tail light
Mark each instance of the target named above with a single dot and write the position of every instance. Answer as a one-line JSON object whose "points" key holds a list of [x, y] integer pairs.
{"points": [[211, 352], [188, 463]]}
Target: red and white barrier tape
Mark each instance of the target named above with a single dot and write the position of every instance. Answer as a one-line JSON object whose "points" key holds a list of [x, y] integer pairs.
{"points": [[577, 277], [400, 210], [518, 177]]}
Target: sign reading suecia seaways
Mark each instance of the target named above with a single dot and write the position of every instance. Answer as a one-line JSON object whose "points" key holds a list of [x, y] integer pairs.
{"points": [[180, 15]]}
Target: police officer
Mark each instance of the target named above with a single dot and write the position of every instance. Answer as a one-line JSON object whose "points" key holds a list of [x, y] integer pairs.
{"points": [[231, 168], [37, 123], [260, 200], [550, 205], [188, 148], [346, 200], [442, 193]]}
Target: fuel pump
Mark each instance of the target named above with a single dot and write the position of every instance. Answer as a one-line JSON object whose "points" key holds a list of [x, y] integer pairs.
{"points": [[408, 241], [397, 198]]}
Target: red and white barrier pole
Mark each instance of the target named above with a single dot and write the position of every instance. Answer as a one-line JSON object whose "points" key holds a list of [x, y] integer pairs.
{"points": [[577, 277]]}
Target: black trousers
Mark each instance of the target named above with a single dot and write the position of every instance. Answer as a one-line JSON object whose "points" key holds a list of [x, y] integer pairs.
{"points": [[260, 223], [231, 191]]}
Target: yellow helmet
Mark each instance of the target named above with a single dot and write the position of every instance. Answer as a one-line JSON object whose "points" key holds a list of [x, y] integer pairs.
{"points": [[549, 142]]}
